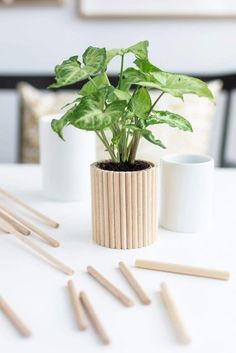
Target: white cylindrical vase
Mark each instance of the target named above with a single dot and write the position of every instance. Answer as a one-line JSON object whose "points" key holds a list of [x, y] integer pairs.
{"points": [[186, 192], [66, 164]]}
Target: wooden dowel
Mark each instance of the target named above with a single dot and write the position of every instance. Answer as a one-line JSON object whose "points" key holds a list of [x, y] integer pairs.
{"points": [[29, 208], [109, 286], [77, 306], [182, 269], [14, 318], [94, 318], [134, 283], [174, 314], [16, 225], [35, 230], [52, 260]]}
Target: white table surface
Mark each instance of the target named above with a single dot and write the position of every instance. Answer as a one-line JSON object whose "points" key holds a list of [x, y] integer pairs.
{"points": [[38, 292]]}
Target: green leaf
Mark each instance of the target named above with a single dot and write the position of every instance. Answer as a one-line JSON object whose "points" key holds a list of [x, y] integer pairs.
{"points": [[145, 66], [140, 103], [149, 136], [70, 71], [118, 94], [89, 116], [94, 59], [172, 119], [58, 124], [140, 50], [99, 82]]}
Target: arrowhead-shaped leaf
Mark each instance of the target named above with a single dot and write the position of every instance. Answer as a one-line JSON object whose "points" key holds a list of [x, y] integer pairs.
{"points": [[140, 103], [140, 50], [99, 82], [172, 119]]}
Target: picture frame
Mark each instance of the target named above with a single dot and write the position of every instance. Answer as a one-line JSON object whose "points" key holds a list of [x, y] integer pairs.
{"points": [[10, 3], [162, 9]]}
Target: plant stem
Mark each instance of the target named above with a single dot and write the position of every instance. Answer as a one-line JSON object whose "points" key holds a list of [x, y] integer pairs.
{"points": [[121, 71], [92, 81], [104, 140], [155, 102]]}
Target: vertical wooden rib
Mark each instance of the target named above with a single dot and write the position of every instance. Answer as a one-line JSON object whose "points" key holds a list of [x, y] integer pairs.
{"points": [[129, 210], [101, 208], [140, 209], [117, 214], [93, 197], [105, 209], [145, 203], [149, 206], [134, 210], [123, 211], [111, 210], [154, 204]]}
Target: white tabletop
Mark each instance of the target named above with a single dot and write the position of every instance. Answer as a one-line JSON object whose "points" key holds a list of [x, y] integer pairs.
{"points": [[38, 292]]}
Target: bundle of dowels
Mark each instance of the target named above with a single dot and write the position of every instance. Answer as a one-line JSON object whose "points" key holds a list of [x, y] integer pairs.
{"points": [[11, 222]]}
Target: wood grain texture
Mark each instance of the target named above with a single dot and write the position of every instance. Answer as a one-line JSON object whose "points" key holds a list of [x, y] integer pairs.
{"points": [[124, 208], [77, 306]]}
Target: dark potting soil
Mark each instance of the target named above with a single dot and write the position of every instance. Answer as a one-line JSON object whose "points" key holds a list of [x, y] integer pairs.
{"points": [[124, 166]]}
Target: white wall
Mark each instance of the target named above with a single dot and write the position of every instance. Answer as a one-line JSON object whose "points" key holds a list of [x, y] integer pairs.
{"points": [[34, 39]]}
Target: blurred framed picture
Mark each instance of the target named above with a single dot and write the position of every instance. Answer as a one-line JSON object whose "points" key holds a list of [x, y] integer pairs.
{"points": [[31, 2], [157, 8]]}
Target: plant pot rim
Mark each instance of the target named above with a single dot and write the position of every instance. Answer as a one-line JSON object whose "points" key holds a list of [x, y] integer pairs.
{"points": [[95, 166]]}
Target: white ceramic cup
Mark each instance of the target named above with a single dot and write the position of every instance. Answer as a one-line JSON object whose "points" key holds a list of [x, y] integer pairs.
{"points": [[66, 164], [186, 192]]}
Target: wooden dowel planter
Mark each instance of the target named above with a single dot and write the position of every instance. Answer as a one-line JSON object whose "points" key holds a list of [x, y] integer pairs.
{"points": [[52, 260], [35, 230], [174, 314], [14, 318], [183, 269], [109, 286], [29, 208], [124, 207], [77, 306], [134, 283], [94, 318]]}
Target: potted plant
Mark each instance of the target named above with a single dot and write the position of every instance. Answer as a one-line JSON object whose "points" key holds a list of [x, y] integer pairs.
{"points": [[124, 206]]}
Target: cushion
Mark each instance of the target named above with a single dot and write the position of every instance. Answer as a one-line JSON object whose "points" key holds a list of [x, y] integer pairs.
{"points": [[35, 104]]}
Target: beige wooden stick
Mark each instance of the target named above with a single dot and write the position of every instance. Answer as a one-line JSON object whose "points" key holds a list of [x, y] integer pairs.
{"points": [[16, 225], [77, 306], [41, 216], [14, 318], [94, 318], [109, 286], [182, 269], [37, 231], [52, 260], [174, 314], [134, 283]]}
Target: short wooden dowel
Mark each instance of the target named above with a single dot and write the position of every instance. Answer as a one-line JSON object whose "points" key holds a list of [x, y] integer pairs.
{"points": [[134, 283], [14, 318], [174, 314], [29, 208], [35, 230], [16, 225], [94, 318], [109, 286], [183, 269], [77, 306]]}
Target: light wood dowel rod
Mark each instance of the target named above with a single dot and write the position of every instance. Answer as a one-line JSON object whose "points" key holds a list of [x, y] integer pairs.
{"points": [[29, 208], [14, 318], [77, 306], [183, 269], [52, 260], [94, 318], [134, 283], [174, 314], [109, 286], [16, 225], [35, 230]]}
